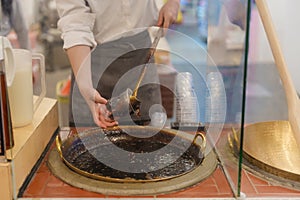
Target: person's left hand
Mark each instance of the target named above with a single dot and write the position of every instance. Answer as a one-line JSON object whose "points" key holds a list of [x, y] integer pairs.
{"points": [[168, 13]]}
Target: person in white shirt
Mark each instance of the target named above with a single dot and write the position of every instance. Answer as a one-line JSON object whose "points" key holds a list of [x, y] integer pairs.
{"points": [[105, 39], [12, 18]]}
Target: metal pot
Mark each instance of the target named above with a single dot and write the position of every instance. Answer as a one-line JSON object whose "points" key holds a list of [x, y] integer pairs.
{"points": [[132, 153]]}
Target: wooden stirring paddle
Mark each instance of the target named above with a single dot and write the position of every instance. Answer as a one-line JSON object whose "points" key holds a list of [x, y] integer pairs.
{"points": [[293, 102]]}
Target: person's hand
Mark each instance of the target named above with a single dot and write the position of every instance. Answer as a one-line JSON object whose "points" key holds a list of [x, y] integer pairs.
{"points": [[168, 13], [97, 105]]}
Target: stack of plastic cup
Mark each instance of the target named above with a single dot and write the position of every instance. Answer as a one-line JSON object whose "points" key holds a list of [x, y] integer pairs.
{"points": [[215, 98], [186, 102]]}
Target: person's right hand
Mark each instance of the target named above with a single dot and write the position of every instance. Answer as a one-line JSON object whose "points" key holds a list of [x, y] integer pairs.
{"points": [[168, 13], [97, 105]]}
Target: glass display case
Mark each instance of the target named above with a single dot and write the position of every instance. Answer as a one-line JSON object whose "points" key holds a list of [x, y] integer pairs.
{"points": [[209, 53], [273, 134]]}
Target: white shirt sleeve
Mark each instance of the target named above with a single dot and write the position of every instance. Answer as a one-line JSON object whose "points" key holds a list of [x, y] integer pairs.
{"points": [[76, 23]]}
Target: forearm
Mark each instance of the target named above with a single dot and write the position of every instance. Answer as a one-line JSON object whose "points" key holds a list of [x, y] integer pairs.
{"points": [[78, 55], [80, 60]]}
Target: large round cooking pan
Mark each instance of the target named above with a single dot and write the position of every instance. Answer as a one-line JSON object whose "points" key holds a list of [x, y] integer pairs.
{"points": [[132, 153], [271, 146]]}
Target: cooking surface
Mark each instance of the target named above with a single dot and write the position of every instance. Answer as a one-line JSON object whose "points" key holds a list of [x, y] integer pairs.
{"points": [[117, 156], [87, 163], [45, 184], [132, 188]]}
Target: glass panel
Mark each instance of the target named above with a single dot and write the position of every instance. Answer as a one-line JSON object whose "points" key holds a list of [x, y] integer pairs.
{"points": [[269, 136], [227, 36]]}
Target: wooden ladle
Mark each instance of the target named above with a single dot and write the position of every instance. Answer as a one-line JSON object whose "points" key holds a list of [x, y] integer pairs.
{"points": [[293, 102]]}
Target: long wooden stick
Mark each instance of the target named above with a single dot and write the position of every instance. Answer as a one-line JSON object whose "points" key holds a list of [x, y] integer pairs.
{"points": [[291, 94]]}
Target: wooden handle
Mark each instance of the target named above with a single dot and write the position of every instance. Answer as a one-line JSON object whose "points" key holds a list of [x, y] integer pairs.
{"points": [[291, 94], [151, 52], [276, 50]]}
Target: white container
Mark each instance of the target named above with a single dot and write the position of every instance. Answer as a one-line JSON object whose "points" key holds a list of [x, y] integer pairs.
{"points": [[20, 92]]}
